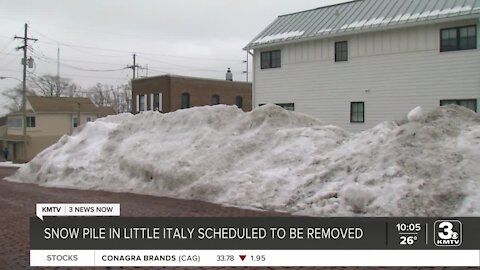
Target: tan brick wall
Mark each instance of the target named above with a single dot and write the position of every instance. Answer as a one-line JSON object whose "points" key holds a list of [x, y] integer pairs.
{"points": [[200, 90]]}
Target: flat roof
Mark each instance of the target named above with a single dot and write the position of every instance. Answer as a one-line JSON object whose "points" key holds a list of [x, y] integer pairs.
{"points": [[189, 77]]}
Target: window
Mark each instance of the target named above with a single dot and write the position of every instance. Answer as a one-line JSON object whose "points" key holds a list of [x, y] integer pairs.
{"points": [[75, 122], [15, 122], [271, 59], [30, 121], [239, 102], [341, 51], [357, 112], [89, 119], [185, 101], [141, 103], [459, 38], [215, 100], [286, 106], [156, 102], [468, 103]]}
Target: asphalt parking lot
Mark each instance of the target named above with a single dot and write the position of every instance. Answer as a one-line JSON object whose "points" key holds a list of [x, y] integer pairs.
{"points": [[18, 200]]}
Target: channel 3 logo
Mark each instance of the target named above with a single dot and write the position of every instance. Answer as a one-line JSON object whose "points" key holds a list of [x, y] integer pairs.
{"points": [[448, 233]]}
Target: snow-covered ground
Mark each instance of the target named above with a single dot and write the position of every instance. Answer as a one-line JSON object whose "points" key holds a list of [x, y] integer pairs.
{"points": [[10, 164], [424, 165]]}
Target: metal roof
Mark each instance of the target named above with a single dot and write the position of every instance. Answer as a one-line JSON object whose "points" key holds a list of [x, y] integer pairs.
{"points": [[361, 15]]}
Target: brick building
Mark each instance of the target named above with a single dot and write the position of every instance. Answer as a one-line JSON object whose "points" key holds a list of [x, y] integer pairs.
{"points": [[168, 93]]}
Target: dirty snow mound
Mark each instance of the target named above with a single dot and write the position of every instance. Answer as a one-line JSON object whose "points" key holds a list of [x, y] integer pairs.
{"points": [[278, 160]]}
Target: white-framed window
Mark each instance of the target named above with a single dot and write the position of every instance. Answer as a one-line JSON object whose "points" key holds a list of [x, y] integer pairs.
{"points": [[271, 59], [467, 103], [15, 122], [341, 51], [156, 102], [357, 112], [31, 122], [141, 103], [74, 121]]}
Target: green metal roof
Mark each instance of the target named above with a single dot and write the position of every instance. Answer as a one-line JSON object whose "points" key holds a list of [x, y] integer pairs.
{"points": [[361, 15]]}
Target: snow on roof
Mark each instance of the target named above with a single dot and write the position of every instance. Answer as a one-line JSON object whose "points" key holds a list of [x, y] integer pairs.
{"points": [[274, 159], [361, 15]]}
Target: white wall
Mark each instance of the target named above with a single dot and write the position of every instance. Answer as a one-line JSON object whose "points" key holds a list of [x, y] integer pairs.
{"points": [[401, 69]]}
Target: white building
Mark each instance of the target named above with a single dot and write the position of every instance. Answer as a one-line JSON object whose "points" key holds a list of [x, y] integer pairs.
{"points": [[362, 62]]}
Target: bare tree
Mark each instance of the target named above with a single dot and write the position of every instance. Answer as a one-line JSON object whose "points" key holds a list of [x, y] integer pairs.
{"points": [[107, 95], [15, 97], [52, 86]]}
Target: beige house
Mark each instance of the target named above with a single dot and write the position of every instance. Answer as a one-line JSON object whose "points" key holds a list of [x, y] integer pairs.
{"points": [[48, 119]]}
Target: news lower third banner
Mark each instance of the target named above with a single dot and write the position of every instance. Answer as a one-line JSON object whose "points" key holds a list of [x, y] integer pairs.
{"points": [[269, 241]]}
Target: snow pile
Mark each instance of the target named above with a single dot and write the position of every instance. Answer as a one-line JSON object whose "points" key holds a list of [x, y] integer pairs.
{"points": [[277, 160], [10, 164], [415, 114]]}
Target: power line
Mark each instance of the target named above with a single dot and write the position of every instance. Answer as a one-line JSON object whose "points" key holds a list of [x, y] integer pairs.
{"points": [[56, 42], [50, 60]]}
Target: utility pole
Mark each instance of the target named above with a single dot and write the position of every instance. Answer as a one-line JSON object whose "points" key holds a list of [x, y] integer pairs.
{"points": [[25, 39], [58, 68], [134, 66]]}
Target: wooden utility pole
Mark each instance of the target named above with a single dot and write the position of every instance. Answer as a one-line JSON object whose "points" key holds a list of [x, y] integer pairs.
{"points": [[134, 66], [25, 39], [58, 69]]}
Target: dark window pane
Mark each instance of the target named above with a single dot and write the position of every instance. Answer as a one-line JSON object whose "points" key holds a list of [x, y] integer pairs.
{"points": [[141, 103], [271, 59], [215, 100], [448, 40], [460, 38], [341, 51], [468, 103], [266, 56], [357, 112], [276, 59], [185, 101], [468, 38], [239, 102], [156, 102], [471, 104], [30, 121], [287, 106]]}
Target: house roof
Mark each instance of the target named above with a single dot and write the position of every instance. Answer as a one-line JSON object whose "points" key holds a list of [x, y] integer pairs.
{"points": [[105, 111], [41, 104], [360, 16]]}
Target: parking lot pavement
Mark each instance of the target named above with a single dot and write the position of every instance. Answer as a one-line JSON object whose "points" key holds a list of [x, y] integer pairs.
{"points": [[17, 205]]}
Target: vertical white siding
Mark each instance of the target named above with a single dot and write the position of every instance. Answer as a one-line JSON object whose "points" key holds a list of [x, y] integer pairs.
{"points": [[391, 71]]}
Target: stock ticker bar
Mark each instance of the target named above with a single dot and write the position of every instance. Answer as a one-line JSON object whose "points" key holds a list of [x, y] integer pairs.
{"points": [[272, 241]]}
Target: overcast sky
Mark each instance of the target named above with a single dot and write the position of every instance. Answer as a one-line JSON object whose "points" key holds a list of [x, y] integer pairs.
{"points": [[188, 37]]}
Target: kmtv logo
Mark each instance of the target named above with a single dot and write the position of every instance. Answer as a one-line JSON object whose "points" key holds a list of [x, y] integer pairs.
{"points": [[448, 233]]}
